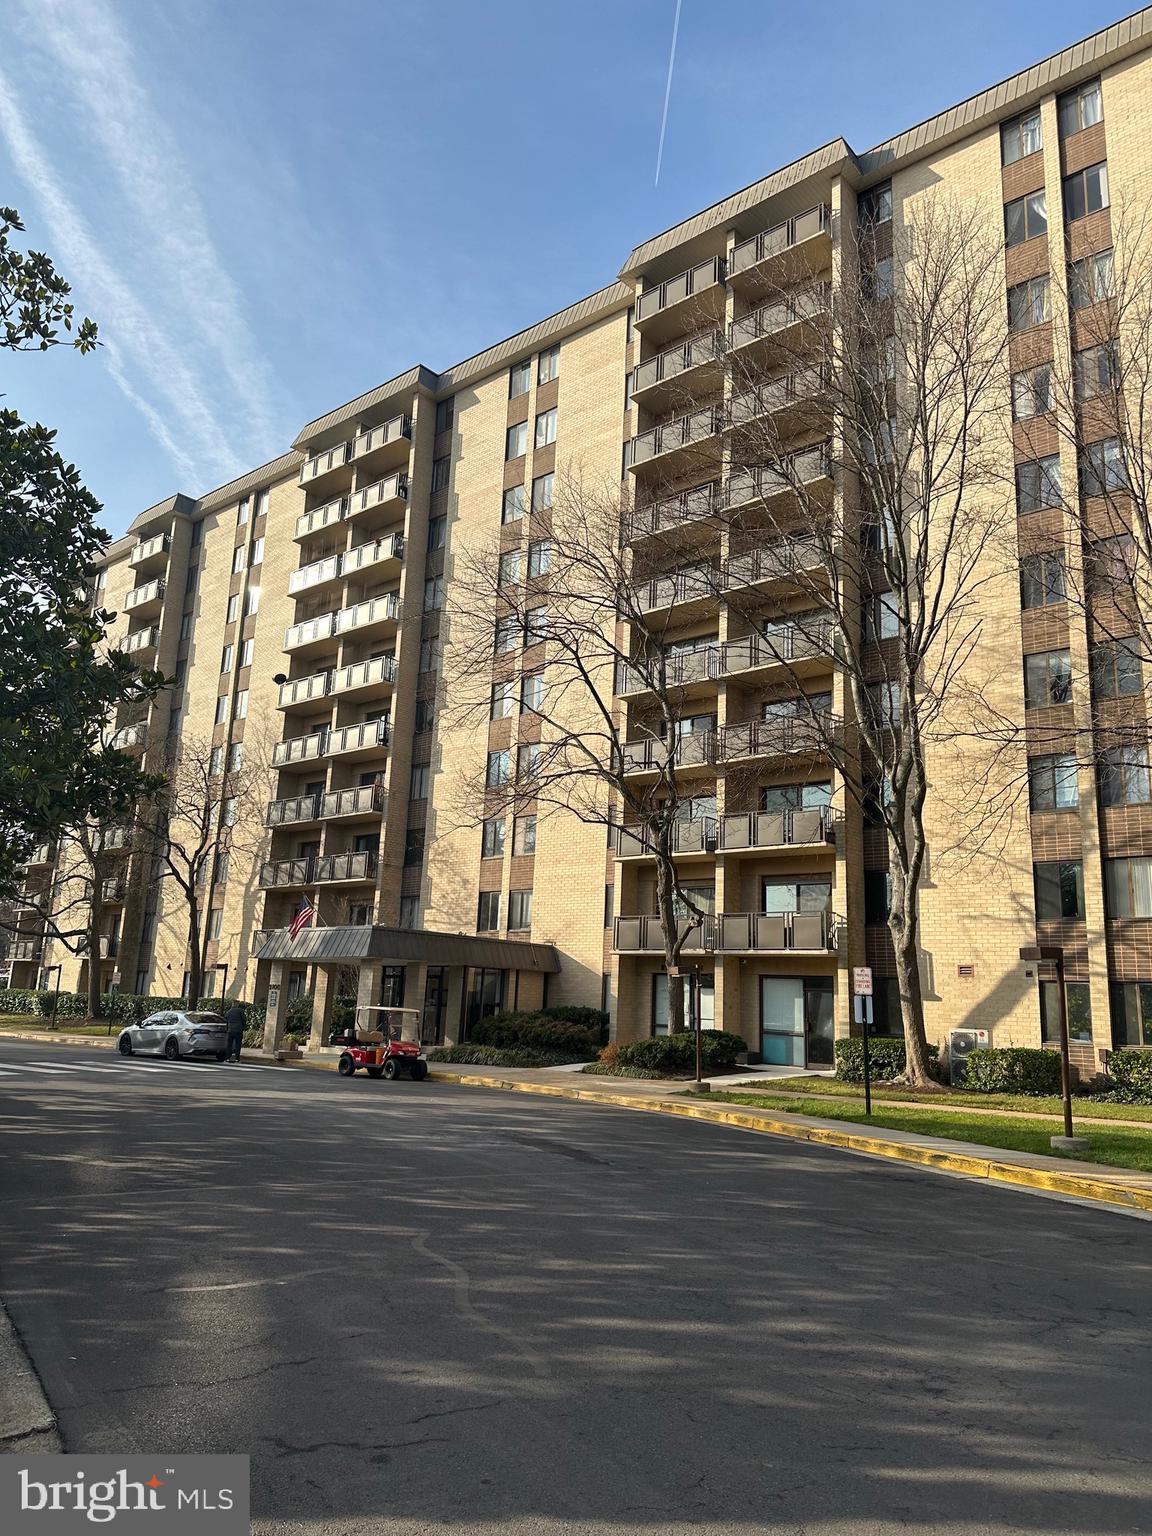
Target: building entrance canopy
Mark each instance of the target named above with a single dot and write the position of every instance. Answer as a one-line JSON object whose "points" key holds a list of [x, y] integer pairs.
{"points": [[401, 946]]}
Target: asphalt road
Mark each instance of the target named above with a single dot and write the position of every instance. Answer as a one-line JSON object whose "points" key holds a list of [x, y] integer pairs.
{"points": [[424, 1308]]}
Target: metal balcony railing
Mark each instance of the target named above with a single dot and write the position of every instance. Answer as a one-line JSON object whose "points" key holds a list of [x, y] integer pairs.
{"points": [[282, 813], [689, 751], [803, 387], [313, 575], [158, 544], [300, 691], [113, 891], [327, 516], [771, 242], [777, 738], [804, 304], [372, 438], [799, 469], [695, 835], [375, 611], [345, 866], [354, 738], [683, 286], [300, 749], [379, 494], [364, 674], [327, 459], [27, 949], [280, 872], [375, 553], [678, 587], [311, 630], [770, 562], [734, 933], [790, 642], [673, 511], [141, 640], [129, 737], [644, 935], [681, 667], [778, 829], [116, 838], [354, 802], [150, 592], [680, 432], [673, 361]]}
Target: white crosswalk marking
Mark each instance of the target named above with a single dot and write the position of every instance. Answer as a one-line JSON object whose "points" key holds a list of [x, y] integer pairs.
{"points": [[123, 1064]]}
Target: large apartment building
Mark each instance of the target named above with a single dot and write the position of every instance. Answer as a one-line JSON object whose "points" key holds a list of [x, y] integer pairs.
{"points": [[301, 609]]}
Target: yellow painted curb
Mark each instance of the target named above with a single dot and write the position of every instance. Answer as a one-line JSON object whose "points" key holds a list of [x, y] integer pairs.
{"points": [[1080, 1185]]}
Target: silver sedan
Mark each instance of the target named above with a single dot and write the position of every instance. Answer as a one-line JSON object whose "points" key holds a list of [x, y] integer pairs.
{"points": [[176, 1034]]}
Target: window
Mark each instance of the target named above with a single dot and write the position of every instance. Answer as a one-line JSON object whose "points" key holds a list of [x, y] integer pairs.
{"points": [[241, 710], [1025, 218], [507, 634], [445, 414], [247, 648], [885, 701], [1117, 672], [1031, 392], [1102, 468], [437, 532], [221, 709], [251, 602], [226, 658], [409, 911], [877, 895], [1059, 890], [242, 512], [186, 622], [233, 608], [220, 873], [519, 909], [429, 655], [532, 693], [1077, 1000], [488, 912], [441, 472], [216, 762], [513, 507], [1091, 279], [509, 571], [228, 811], [527, 760], [1038, 484], [261, 503], [1079, 108], [257, 555], [539, 558], [542, 490], [1086, 191], [1047, 679], [1020, 137], [524, 835], [516, 440], [1130, 1004], [418, 788], [235, 756], [1053, 784], [237, 559], [1128, 887], [548, 366], [878, 283], [215, 922], [492, 838], [433, 594], [536, 624], [519, 378], [1123, 775], [1096, 371], [1042, 579], [503, 700], [191, 579], [425, 714], [414, 846], [546, 428], [497, 772], [881, 619], [875, 205], [1029, 304], [609, 904]]}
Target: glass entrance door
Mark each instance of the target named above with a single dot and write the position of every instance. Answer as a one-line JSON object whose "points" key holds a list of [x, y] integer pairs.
{"points": [[796, 1021], [819, 1023]]}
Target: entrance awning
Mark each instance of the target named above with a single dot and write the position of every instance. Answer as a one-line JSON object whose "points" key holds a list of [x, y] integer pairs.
{"points": [[399, 946]]}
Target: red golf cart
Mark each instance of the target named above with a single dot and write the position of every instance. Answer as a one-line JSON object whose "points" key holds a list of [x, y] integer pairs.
{"points": [[379, 1045]]}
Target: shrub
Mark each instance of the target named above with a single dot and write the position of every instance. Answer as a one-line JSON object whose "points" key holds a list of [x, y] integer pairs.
{"points": [[1012, 1069], [886, 1058], [498, 1056], [675, 1055], [588, 1018], [1130, 1073], [538, 1032]]}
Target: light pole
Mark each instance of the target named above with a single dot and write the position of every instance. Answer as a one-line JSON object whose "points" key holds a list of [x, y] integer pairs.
{"points": [[1054, 954]]}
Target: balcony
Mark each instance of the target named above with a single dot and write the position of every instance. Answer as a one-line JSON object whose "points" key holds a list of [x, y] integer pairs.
{"points": [[363, 800], [734, 933], [792, 401], [806, 472], [373, 556], [130, 738], [303, 691], [333, 868], [113, 892], [141, 640], [695, 363], [652, 755], [287, 813], [24, 950], [387, 443], [365, 679], [298, 637], [387, 495], [686, 509], [793, 736], [773, 562], [320, 573], [300, 749], [279, 874], [145, 601], [115, 839], [697, 835], [41, 856], [669, 443], [327, 465], [376, 616], [799, 246], [364, 740], [771, 324], [150, 554], [327, 516], [783, 646], [644, 935], [765, 830], [694, 295], [695, 589], [681, 670]]}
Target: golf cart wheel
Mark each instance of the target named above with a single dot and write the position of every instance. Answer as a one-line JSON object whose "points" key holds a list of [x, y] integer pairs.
{"points": [[124, 1045], [171, 1049], [346, 1067], [374, 1071], [389, 1067], [419, 1070]]}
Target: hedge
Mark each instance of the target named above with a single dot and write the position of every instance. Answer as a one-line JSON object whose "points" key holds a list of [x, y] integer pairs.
{"points": [[131, 1007], [498, 1056], [675, 1055], [1130, 1073], [539, 1032], [886, 1058], [1012, 1069]]}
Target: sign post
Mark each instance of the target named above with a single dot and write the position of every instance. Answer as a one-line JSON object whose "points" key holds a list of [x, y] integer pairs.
{"points": [[862, 1015]]}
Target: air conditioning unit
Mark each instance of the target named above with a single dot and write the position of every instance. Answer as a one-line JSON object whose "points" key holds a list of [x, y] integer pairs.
{"points": [[960, 1042]]}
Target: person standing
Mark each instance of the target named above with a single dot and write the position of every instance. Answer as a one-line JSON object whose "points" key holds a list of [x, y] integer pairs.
{"points": [[234, 1019]]}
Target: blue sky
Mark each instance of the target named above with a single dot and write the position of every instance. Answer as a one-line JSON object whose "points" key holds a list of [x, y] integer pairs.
{"points": [[271, 206]]}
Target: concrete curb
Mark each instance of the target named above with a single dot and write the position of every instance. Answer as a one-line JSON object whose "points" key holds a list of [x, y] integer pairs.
{"points": [[797, 1128], [27, 1424], [52, 1037]]}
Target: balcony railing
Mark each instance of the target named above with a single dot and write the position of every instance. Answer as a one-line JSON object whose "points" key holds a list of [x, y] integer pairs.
{"points": [[678, 587], [370, 439], [375, 553], [771, 562], [690, 751], [358, 738], [364, 674], [777, 738], [130, 737], [300, 749], [754, 405], [327, 516], [791, 642], [278, 872], [674, 511], [149, 549], [695, 666], [680, 432], [697, 835], [116, 838], [770, 319], [376, 610], [684, 285], [708, 347], [345, 866], [45, 853], [27, 949], [354, 802], [302, 689], [283, 813], [734, 933], [778, 829], [379, 494], [771, 242], [309, 631], [644, 935], [800, 469], [321, 463], [113, 891], [141, 640], [313, 575], [139, 597]]}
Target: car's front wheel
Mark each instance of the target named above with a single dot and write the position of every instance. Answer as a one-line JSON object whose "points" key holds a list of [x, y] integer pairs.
{"points": [[171, 1049], [124, 1045]]}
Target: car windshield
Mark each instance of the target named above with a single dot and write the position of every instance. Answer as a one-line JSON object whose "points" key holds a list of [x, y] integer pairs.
{"points": [[204, 1018]]}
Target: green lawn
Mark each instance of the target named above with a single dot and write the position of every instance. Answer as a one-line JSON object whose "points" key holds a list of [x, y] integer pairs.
{"points": [[1121, 1148], [829, 1087], [33, 1021]]}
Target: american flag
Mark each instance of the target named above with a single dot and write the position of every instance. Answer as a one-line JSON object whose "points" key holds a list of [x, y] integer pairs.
{"points": [[302, 919]]}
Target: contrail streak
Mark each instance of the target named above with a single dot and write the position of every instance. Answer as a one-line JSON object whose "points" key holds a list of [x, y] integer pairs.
{"points": [[668, 91]]}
